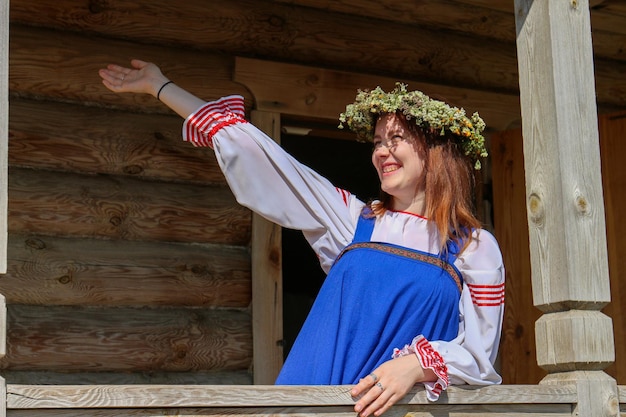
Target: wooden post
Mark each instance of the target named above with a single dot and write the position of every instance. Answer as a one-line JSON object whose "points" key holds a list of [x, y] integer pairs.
{"points": [[4, 158], [564, 198], [267, 280], [4, 129]]}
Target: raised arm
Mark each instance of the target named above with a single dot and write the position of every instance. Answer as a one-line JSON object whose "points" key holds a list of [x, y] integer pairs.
{"points": [[147, 78]]}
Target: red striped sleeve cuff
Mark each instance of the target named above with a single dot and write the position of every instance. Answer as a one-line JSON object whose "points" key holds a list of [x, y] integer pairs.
{"points": [[200, 127], [487, 295], [429, 359]]}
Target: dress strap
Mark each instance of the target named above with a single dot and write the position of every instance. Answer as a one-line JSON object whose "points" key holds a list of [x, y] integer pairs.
{"points": [[364, 227]]}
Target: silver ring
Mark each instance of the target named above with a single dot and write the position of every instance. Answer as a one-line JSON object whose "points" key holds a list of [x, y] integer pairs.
{"points": [[123, 76], [374, 377], [379, 385]]}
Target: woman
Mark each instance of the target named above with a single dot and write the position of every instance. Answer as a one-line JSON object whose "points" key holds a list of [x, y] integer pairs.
{"points": [[415, 289]]}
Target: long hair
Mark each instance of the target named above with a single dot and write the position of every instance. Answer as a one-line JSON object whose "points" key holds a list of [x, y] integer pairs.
{"points": [[449, 184]]}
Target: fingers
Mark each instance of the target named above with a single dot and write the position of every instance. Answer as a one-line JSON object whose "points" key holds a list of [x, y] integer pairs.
{"points": [[364, 384], [375, 401]]}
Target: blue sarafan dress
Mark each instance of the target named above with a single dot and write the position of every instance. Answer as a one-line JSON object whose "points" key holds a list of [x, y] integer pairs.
{"points": [[376, 297]]}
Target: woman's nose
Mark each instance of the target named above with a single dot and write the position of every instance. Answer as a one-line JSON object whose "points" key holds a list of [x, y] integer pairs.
{"points": [[381, 150]]}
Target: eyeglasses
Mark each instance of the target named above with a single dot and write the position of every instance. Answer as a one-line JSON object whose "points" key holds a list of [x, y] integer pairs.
{"points": [[388, 143]]}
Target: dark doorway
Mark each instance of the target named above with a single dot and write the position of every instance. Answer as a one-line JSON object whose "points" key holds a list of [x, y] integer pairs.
{"points": [[347, 164]]}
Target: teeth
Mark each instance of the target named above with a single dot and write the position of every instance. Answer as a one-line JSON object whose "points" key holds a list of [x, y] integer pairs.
{"points": [[390, 168]]}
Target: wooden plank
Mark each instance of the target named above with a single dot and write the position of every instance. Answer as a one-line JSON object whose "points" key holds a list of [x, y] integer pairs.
{"points": [[64, 66], [124, 208], [323, 93], [232, 377], [531, 410], [4, 132], [47, 271], [42, 396], [71, 339], [517, 348], [613, 150], [439, 14], [494, 20], [97, 141], [267, 280]]}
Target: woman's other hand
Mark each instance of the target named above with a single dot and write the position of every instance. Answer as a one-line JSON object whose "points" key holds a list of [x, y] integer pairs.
{"points": [[143, 77], [391, 381]]}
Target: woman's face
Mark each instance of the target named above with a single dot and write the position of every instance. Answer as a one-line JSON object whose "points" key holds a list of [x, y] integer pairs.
{"points": [[399, 159]]}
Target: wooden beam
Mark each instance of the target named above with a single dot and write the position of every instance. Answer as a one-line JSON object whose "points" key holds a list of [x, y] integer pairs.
{"points": [[564, 198], [132, 209], [102, 141], [267, 280], [125, 339], [51, 271], [4, 131], [34, 397], [322, 93]]}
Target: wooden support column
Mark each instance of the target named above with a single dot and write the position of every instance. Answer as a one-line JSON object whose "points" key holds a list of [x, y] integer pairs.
{"points": [[4, 158], [564, 198], [4, 130], [267, 280]]}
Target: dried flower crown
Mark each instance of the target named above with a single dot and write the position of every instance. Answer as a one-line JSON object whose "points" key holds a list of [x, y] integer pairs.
{"points": [[427, 113]]}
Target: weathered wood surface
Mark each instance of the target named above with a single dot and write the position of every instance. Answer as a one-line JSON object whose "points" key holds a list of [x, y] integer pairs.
{"points": [[267, 279], [228, 377], [107, 207], [564, 190], [96, 141], [34, 397], [493, 20], [511, 228], [312, 91], [613, 151], [306, 36], [126, 339], [568, 250], [63, 65], [45, 270], [4, 129]]}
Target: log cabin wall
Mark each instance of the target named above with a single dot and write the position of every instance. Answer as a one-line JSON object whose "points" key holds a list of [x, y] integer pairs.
{"points": [[128, 257]]}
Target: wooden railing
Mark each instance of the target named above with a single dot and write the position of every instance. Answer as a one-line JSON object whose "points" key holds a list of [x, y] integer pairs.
{"points": [[303, 401]]}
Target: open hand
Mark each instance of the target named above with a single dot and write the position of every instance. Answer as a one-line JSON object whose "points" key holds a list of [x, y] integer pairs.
{"points": [[143, 77]]}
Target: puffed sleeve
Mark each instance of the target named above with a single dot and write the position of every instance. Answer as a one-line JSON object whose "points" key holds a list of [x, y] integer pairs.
{"points": [[269, 181], [470, 357]]}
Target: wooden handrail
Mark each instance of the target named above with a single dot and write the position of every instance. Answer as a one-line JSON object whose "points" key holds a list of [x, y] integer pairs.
{"points": [[164, 396]]}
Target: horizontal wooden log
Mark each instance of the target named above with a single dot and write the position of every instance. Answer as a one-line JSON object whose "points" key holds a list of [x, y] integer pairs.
{"points": [[64, 204], [51, 271], [35, 397], [71, 339], [488, 410], [482, 19], [97, 141], [234, 377], [301, 90], [283, 33], [64, 66]]}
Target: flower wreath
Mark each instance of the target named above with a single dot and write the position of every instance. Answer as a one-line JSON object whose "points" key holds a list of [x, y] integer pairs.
{"points": [[426, 112]]}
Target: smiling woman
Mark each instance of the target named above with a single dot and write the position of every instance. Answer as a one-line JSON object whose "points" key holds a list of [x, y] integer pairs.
{"points": [[414, 288]]}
